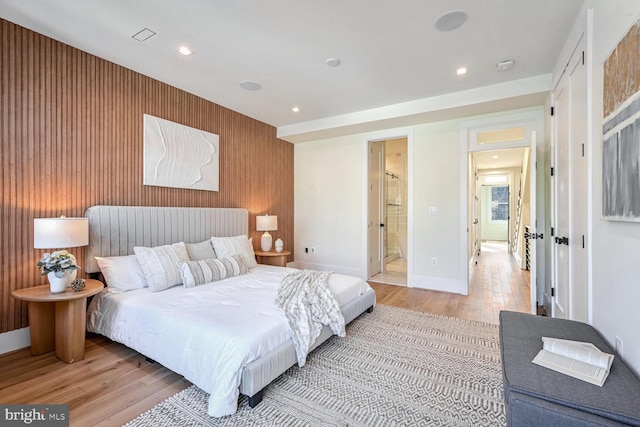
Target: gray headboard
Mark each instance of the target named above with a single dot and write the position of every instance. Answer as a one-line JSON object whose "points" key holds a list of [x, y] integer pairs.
{"points": [[115, 230]]}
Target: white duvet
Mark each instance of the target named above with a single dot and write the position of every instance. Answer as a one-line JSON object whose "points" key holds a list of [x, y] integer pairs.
{"points": [[209, 332]]}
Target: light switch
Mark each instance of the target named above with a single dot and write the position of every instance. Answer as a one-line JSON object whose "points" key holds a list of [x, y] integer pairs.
{"points": [[433, 210]]}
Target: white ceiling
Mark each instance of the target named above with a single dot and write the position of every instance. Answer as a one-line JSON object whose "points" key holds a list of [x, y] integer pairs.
{"points": [[509, 158], [391, 54]]}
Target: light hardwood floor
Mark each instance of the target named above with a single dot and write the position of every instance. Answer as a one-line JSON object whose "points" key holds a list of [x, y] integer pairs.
{"points": [[114, 384], [495, 283]]}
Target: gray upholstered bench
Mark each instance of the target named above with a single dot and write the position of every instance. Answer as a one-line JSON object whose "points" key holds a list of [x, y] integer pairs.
{"points": [[537, 396]]}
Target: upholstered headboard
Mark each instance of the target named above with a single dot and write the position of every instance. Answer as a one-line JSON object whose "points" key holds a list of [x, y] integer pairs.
{"points": [[115, 230]]}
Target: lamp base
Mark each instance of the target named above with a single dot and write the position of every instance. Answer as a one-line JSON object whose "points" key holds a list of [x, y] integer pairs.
{"points": [[266, 242]]}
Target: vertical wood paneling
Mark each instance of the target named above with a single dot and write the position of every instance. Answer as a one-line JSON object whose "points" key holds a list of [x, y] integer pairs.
{"points": [[71, 129]]}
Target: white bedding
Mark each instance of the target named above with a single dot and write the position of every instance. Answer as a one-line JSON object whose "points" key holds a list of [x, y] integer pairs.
{"points": [[209, 332]]}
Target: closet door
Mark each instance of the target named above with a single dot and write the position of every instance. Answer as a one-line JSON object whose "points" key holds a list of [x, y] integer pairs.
{"points": [[560, 289], [570, 290]]}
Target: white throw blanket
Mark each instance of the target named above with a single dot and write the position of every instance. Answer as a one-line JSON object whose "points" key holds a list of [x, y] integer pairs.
{"points": [[307, 303]]}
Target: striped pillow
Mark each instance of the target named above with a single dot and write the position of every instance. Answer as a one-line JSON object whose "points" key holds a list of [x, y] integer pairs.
{"points": [[236, 245], [196, 273], [159, 264]]}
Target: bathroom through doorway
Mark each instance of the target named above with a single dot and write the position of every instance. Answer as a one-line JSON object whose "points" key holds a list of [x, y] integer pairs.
{"points": [[394, 213]]}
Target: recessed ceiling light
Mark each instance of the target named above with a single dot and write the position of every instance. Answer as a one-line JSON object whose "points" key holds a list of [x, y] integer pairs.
{"points": [[460, 71], [451, 21], [295, 109], [250, 85], [505, 65], [185, 50], [333, 62], [496, 156]]}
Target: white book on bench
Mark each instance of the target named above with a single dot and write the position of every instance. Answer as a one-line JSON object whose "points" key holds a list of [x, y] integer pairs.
{"points": [[574, 358]]}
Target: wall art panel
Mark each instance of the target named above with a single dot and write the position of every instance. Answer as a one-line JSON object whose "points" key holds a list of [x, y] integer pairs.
{"points": [[180, 156], [621, 130]]}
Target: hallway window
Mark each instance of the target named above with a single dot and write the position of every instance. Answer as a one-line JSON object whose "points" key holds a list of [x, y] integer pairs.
{"points": [[500, 203]]}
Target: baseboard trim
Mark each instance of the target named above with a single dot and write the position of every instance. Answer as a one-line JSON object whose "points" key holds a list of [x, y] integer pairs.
{"points": [[14, 340]]}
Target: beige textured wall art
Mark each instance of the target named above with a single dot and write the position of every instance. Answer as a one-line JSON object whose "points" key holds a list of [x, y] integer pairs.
{"points": [[180, 156]]}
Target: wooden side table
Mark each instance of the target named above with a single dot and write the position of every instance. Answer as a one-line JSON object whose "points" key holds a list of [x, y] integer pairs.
{"points": [[279, 258], [58, 321]]}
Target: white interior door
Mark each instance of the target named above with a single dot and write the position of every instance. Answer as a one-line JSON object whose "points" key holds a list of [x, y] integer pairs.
{"points": [[560, 288], [578, 185], [475, 213], [536, 238], [375, 223], [571, 296]]}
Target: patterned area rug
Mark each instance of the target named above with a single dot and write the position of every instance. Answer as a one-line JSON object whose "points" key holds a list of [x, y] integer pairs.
{"points": [[396, 367]]}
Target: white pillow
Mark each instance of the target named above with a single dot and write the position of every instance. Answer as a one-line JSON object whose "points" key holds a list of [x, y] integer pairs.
{"points": [[122, 273], [196, 273], [237, 245], [200, 251], [160, 264]]}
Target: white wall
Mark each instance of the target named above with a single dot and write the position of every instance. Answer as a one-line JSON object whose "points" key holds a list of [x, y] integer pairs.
{"points": [[328, 205], [437, 184], [615, 245]]}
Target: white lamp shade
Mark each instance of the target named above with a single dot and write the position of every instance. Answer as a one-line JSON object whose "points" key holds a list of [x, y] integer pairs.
{"points": [[266, 222], [50, 233]]}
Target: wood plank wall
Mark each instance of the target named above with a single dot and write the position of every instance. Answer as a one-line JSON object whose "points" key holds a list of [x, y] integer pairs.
{"points": [[71, 129]]}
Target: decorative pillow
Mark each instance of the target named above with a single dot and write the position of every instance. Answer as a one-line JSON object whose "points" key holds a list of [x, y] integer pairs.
{"points": [[122, 273], [237, 245], [196, 273], [160, 264], [200, 251]]}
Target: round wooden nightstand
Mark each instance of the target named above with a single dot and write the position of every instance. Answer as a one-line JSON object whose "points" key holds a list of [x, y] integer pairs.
{"points": [[58, 321], [279, 258]]}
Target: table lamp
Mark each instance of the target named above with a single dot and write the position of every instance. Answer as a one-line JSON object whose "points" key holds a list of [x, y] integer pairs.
{"points": [[266, 223]]}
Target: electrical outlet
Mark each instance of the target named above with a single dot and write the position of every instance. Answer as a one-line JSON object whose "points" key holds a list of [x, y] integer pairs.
{"points": [[313, 250], [306, 250], [433, 210], [619, 346], [434, 260]]}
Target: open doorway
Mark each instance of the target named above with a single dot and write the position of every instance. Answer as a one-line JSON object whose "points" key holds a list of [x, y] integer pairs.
{"points": [[388, 197], [501, 215], [481, 140], [494, 213]]}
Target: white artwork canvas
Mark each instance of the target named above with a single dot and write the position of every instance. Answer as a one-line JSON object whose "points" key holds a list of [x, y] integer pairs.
{"points": [[180, 156]]}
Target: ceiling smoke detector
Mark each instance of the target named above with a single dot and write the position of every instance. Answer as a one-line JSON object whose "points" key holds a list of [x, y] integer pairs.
{"points": [[333, 62], [505, 65], [451, 21]]}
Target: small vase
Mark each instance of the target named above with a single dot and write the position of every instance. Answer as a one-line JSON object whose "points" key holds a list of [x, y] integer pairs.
{"points": [[59, 284], [279, 245]]}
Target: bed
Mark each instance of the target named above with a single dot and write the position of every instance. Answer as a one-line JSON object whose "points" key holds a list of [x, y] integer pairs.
{"points": [[227, 337]]}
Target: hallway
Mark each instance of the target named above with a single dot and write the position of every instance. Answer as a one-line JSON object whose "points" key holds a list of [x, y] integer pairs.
{"points": [[495, 283]]}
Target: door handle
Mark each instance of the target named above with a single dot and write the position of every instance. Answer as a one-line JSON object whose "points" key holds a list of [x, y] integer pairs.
{"points": [[534, 236], [381, 225], [562, 240]]}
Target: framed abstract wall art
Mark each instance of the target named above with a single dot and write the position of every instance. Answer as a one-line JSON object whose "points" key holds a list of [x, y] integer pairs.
{"points": [[621, 130]]}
